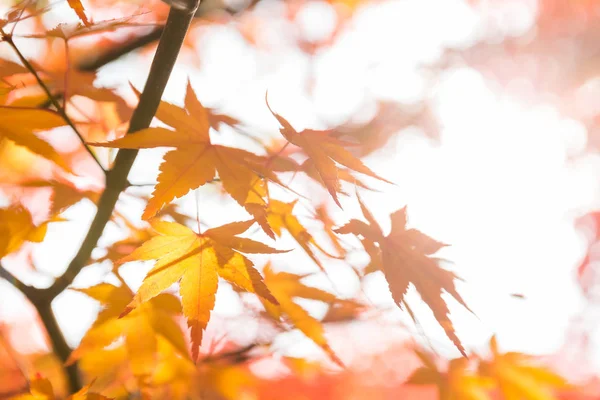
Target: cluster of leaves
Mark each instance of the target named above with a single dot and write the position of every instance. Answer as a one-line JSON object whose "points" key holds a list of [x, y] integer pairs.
{"points": [[136, 343], [514, 375]]}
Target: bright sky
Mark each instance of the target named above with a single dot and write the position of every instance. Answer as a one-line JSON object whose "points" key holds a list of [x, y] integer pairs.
{"points": [[500, 186]]}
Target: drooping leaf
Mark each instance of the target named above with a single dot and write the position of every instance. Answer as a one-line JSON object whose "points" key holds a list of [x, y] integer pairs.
{"points": [[280, 216], [324, 150], [328, 226], [196, 261], [404, 256], [285, 287]]}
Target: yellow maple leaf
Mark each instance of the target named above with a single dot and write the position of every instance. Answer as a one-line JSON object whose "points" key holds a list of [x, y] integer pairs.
{"points": [[324, 150], [140, 328], [280, 217], [518, 377], [195, 161], [20, 124], [16, 227], [285, 287], [456, 383], [41, 389], [173, 374], [196, 261]]}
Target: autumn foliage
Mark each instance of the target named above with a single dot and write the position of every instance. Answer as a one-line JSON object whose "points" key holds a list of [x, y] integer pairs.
{"points": [[257, 224]]}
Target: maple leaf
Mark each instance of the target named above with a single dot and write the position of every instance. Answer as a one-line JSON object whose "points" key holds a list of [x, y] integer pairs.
{"points": [[79, 10], [285, 287], [64, 193], [457, 383], [324, 150], [140, 328], [67, 31], [195, 160], [404, 256], [322, 215], [225, 381], [196, 261], [16, 227], [343, 311], [173, 373], [41, 389], [280, 218], [122, 248], [518, 377], [19, 125]]}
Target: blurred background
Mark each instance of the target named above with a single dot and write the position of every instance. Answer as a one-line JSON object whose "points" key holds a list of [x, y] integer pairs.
{"points": [[483, 112]]}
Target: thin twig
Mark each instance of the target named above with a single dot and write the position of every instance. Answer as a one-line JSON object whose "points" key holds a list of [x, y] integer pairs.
{"points": [[8, 39], [234, 357]]}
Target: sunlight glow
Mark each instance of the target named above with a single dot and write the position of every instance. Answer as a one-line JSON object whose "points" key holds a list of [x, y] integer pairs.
{"points": [[500, 186]]}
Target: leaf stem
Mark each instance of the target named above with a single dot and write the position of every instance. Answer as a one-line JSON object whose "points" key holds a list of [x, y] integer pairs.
{"points": [[60, 109]]}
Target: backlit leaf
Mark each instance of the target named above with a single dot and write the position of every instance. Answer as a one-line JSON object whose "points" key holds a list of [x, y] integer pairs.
{"points": [[196, 261], [20, 124], [404, 257], [324, 150], [285, 287]]}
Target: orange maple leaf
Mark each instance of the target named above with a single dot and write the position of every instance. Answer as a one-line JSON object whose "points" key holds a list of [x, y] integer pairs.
{"points": [[19, 125], [16, 227], [285, 287], [79, 10], [40, 388], [324, 150], [518, 377], [195, 160], [280, 218], [197, 261], [458, 382], [141, 328], [404, 257]]}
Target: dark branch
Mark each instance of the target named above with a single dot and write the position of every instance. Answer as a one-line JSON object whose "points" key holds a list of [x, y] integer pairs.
{"points": [[114, 53], [205, 9], [59, 344], [116, 180], [169, 46], [29, 291]]}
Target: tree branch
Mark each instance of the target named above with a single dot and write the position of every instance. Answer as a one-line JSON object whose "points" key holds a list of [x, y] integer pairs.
{"points": [[116, 179], [205, 9], [176, 27], [28, 291], [59, 344]]}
